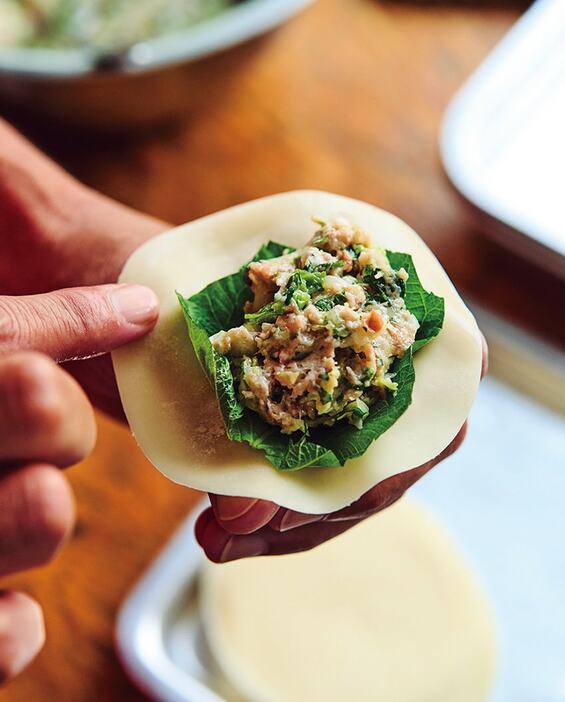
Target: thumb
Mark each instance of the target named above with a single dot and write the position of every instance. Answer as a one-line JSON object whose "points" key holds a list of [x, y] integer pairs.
{"points": [[77, 322]]}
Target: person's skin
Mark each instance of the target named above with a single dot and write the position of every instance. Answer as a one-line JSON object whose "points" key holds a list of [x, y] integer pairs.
{"points": [[47, 423], [57, 235]]}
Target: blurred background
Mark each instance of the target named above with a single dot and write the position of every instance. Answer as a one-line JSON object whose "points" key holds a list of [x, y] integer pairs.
{"points": [[181, 112]]}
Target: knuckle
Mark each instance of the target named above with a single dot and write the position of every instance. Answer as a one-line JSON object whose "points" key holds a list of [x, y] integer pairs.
{"points": [[84, 310], [51, 417], [47, 412], [51, 513], [78, 317], [86, 316], [30, 369], [10, 326], [35, 382]]}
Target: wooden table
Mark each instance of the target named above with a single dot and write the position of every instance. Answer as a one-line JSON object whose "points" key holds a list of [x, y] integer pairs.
{"points": [[348, 98]]}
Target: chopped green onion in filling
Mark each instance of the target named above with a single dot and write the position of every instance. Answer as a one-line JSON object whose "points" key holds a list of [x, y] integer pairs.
{"points": [[322, 333]]}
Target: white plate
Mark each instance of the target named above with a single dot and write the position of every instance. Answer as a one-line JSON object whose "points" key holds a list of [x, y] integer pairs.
{"points": [[503, 141], [502, 496]]}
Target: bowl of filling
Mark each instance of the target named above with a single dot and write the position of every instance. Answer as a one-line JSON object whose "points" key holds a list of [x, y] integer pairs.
{"points": [[123, 63]]}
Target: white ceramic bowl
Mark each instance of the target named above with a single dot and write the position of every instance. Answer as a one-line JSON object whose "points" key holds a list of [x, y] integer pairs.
{"points": [[152, 81]]}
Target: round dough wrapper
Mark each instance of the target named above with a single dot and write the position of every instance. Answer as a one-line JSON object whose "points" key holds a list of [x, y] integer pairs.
{"points": [[387, 611], [172, 409]]}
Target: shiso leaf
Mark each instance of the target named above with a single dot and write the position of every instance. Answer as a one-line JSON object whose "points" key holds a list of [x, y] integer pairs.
{"points": [[429, 309], [346, 441], [219, 306]]}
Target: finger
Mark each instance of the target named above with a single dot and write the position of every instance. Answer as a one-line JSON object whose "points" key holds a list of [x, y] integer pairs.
{"points": [[77, 322], [239, 515], [44, 414], [287, 519], [382, 495], [388, 491], [36, 516], [214, 539], [221, 546], [242, 515], [22, 633]]}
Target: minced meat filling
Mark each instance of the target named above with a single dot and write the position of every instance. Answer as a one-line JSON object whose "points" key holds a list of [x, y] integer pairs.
{"points": [[325, 325]]}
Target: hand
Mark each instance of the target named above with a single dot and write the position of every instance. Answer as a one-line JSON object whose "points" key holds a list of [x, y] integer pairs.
{"points": [[47, 423], [62, 234], [40, 202], [241, 527]]}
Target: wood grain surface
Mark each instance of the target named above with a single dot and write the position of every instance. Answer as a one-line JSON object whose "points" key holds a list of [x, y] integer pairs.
{"points": [[348, 97]]}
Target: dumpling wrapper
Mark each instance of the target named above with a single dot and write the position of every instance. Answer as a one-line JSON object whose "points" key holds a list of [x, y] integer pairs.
{"points": [[387, 611], [172, 409]]}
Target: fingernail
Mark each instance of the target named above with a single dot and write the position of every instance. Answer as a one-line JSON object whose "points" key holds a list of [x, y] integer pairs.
{"points": [[293, 520], [243, 547], [351, 518], [136, 304]]}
